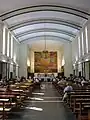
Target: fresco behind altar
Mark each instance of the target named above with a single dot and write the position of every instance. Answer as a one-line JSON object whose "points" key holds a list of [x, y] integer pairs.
{"points": [[45, 62]]}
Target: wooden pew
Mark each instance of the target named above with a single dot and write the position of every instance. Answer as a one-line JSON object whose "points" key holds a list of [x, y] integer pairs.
{"points": [[82, 112], [58, 87], [3, 109], [18, 91], [78, 101], [74, 95]]}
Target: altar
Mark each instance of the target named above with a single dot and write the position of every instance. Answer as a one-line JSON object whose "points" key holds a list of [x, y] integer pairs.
{"points": [[45, 77]]}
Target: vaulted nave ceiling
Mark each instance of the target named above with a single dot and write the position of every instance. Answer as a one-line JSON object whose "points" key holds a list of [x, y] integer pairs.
{"points": [[54, 19]]}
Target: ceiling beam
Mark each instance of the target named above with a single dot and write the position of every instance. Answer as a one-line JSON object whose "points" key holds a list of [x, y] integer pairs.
{"points": [[39, 21], [45, 30], [64, 9], [35, 37]]}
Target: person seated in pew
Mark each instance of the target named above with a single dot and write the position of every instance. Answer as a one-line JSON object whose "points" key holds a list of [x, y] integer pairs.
{"points": [[1, 82], [8, 89], [83, 81], [39, 77], [76, 85], [54, 80], [30, 78], [4, 81], [23, 79], [67, 90], [36, 80], [62, 81]]}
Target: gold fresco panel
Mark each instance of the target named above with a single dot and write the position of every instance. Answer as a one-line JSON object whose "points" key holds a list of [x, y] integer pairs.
{"points": [[45, 62]]}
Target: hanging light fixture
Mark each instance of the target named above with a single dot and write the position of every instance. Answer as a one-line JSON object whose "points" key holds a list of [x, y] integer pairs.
{"points": [[45, 51]]}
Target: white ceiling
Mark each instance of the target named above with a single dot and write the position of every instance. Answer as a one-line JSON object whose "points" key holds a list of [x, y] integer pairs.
{"points": [[50, 45], [55, 22], [43, 26], [49, 38], [44, 14], [7, 5]]}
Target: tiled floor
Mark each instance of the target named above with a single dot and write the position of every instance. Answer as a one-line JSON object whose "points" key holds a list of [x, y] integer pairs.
{"points": [[45, 104]]}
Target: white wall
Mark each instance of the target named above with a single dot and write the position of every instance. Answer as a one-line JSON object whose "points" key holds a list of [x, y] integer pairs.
{"points": [[87, 70], [80, 68], [59, 59], [17, 71], [23, 60], [81, 48], [68, 59], [51, 46], [60, 53], [75, 50], [32, 60]]}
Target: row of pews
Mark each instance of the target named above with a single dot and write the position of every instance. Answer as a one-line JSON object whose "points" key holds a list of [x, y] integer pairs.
{"points": [[14, 97], [78, 101]]}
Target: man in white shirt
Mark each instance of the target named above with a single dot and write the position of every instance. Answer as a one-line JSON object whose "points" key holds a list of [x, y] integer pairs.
{"points": [[67, 89]]}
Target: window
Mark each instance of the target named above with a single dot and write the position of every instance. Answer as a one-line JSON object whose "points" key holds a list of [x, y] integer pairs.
{"points": [[86, 35], [11, 47], [4, 40], [79, 46], [82, 44], [8, 44]]}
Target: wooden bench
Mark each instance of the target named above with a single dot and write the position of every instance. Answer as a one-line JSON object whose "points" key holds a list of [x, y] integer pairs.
{"points": [[18, 92], [79, 101], [3, 108]]}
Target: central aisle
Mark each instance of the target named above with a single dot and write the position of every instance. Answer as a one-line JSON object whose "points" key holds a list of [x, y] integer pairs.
{"points": [[46, 104]]}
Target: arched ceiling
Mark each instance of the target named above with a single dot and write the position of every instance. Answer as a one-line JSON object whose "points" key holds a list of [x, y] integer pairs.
{"points": [[52, 22]]}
